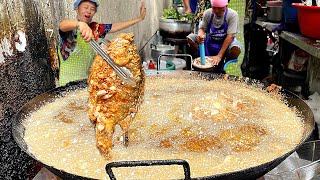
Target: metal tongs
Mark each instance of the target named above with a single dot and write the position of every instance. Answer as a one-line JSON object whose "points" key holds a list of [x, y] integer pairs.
{"points": [[122, 72]]}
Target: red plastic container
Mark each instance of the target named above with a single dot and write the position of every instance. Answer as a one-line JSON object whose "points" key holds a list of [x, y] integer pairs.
{"points": [[308, 18]]}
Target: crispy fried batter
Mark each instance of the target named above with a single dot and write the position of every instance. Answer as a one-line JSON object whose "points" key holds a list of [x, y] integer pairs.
{"points": [[244, 138], [274, 88], [111, 101], [188, 140]]}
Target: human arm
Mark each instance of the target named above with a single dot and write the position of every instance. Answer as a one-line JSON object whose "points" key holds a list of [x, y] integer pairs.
{"points": [[187, 6], [200, 37], [216, 59], [203, 26], [122, 25], [69, 25], [233, 22]]}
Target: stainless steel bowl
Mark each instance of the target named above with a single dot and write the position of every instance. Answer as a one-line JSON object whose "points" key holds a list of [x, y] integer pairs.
{"points": [[274, 13], [174, 28]]}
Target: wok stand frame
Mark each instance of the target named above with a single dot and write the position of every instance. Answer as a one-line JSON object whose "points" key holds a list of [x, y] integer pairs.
{"points": [[185, 164]]}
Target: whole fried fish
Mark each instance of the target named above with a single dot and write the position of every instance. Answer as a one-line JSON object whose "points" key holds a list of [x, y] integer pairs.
{"points": [[111, 101]]}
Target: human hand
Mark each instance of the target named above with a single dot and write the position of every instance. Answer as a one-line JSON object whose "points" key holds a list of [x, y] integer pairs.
{"points": [[143, 10], [215, 60], [85, 31], [200, 39]]}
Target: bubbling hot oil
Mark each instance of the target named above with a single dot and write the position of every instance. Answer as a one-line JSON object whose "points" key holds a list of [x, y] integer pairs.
{"points": [[217, 126]]}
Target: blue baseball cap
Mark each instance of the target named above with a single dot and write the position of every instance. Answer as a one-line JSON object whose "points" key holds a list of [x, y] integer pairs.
{"points": [[76, 4]]}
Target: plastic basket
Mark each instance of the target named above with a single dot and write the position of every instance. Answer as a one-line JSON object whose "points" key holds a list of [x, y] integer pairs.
{"points": [[308, 18]]}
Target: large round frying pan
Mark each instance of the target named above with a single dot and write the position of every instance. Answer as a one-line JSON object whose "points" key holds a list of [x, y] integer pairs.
{"points": [[250, 173]]}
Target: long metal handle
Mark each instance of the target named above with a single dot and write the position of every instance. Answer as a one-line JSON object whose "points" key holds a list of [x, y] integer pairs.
{"points": [[185, 164], [120, 71]]}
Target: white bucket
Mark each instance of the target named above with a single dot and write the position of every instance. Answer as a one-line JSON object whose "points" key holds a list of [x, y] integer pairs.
{"points": [[179, 63]]}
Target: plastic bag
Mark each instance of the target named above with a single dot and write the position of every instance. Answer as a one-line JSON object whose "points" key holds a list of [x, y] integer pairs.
{"points": [[314, 104], [298, 60]]}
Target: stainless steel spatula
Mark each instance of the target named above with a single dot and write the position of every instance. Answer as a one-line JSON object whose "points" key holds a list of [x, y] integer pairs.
{"points": [[122, 72]]}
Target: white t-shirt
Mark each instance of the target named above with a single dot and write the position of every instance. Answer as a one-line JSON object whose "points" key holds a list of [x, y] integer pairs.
{"points": [[232, 21]]}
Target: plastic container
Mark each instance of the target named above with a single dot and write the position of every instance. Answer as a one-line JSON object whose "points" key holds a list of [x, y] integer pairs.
{"points": [[290, 13], [230, 66], [170, 66], [179, 63], [151, 65], [165, 65], [308, 18]]}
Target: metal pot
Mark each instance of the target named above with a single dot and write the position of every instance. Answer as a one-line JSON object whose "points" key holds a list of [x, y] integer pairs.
{"points": [[172, 28], [18, 130], [274, 13], [157, 50]]}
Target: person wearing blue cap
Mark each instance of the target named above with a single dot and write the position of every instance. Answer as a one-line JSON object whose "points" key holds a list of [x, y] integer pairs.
{"points": [[75, 53]]}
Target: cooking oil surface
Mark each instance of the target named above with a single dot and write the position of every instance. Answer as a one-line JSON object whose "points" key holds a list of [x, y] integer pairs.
{"points": [[216, 126]]}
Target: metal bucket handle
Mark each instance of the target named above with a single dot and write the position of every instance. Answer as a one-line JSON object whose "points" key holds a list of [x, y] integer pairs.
{"points": [[185, 164], [152, 45]]}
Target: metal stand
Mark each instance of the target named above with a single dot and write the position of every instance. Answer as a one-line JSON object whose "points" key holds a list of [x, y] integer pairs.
{"points": [[181, 44]]}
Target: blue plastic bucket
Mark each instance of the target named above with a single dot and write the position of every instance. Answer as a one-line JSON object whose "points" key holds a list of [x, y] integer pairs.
{"points": [[229, 62], [290, 13]]}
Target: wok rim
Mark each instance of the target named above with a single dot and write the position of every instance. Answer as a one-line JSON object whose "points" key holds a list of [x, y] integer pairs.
{"points": [[83, 84]]}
